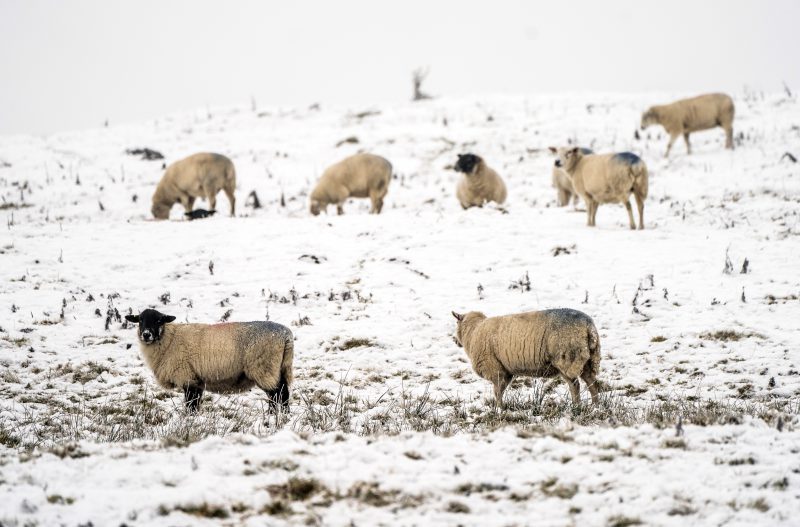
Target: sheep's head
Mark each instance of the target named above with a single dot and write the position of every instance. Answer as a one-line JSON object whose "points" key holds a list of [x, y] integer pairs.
{"points": [[568, 157], [151, 324], [467, 163], [457, 337], [160, 210], [315, 207], [462, 322], [649, 118]]}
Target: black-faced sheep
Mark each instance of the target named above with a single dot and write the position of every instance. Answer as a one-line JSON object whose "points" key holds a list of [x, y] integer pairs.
{"points": [[197, 176], [480, 184], [222, 358], [562, 182], [537, 344], [692, 115], [607, 178], [358, 176]]}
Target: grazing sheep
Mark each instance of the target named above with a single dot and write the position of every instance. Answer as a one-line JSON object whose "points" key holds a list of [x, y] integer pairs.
{"points": [[692, 115], [480, 183], [223, 358], [607, 178], [197, 176], [537, 344], [562, 183], [357, 176]]}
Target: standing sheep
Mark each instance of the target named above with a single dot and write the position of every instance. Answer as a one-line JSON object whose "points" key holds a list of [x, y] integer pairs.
{"points": [[197, 176], [222, 358], [537, 344], [607, 178], [692, 115], [480, 183], [562, 183], [358, 176]]}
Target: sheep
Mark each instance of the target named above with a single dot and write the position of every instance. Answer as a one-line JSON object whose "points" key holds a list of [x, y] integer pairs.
{"points": [[480, 184], [197, 176], [357, 176], [537, 344], [692, 115], [223, 358], [562, 183], [607, 178]]}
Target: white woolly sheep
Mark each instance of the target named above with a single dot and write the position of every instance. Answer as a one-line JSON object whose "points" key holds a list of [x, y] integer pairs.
{"points": [[197, 176], [692, 115], [480, 184], [536, 344], [562, 183], [358, 176], [607, 178], [223, 358]]}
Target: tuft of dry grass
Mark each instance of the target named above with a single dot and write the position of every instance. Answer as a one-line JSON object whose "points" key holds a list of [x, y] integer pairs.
{"points": [[44, 421], [728, 335], [355, 343], [623, 521]]}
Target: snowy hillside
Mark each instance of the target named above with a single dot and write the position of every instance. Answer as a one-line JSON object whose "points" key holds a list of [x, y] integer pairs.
{"points": [[389, 424]]}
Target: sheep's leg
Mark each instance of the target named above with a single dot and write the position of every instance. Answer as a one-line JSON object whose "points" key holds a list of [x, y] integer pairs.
{"points": [[192, 394], [500, 384], [686, 140], [640, 206], [275, 401], [339, 209], [630, 213], [574, 389], [591, 384], [672, 139], [563, 197], [589, 216], [212, 200], [231, 199], [187, 202], [729, 137], [595, 206], [279, 396], [377, 204]]}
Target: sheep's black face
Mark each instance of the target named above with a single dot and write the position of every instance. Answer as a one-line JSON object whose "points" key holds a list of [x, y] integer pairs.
{"points": [[151, 324], [466, 163]]}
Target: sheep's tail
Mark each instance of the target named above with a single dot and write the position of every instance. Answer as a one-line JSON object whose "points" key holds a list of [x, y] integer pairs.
{"points": [[640, 179], [287, 375]]}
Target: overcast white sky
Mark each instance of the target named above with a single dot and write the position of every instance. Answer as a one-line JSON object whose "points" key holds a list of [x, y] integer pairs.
{"points": [[67, 65]]}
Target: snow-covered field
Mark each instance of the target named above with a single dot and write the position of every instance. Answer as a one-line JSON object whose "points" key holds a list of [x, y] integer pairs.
{"points": [[389, 425]]}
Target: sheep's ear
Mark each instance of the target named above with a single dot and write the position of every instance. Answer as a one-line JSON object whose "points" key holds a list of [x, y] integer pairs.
{"points": [[166, 319], [132, 318], [574, 150], [553, 149], [458, 317]]}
